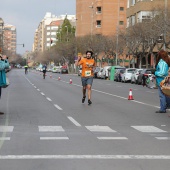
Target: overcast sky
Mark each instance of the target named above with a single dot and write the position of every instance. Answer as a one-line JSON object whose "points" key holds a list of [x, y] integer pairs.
{"points": [[27, 14]]}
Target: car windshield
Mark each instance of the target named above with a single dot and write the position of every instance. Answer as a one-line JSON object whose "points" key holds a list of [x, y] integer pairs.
{"points": [[122, 71], [131, 70]]}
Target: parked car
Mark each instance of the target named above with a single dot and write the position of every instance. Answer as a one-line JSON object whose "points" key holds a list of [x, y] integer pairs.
{"points": [[135, 74], [63, 71], [126, 76], [118, 74], [105, 72], [49, 69], [79, 71], [56, 69], [99, 73], [144, 75], [97, 69]]}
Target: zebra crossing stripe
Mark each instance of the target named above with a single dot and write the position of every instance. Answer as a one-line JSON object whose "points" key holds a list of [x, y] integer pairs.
{"points": [[54, 138], [4, 138], [50, 129], [163, 138], [112, 138], [96, 128], [148, 129], [6, 128], [104, 157]]}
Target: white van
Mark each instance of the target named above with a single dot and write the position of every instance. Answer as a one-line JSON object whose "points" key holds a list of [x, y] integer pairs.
{"points": [[105, 72]]}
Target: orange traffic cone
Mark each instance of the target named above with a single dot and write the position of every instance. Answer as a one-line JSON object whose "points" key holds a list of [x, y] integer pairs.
{"points": [[130, 95], [59, 78], [70, 81]]}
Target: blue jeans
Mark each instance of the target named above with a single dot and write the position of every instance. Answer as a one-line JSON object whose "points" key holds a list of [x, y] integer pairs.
{"points": [[164, 100]]}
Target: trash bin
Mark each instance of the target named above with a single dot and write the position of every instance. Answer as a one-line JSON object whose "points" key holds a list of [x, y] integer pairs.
{"points": [[112, 73]]}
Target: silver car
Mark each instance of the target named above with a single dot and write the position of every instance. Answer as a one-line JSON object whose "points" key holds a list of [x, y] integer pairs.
{"points": [[135, 74]]}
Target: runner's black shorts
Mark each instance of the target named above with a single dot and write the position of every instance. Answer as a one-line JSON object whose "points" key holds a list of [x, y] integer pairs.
{"points": [[87, 81]]}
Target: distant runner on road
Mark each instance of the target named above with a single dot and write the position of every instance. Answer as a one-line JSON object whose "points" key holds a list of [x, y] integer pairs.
{"points": [[44, 69], [88, 65], [26, 69]]}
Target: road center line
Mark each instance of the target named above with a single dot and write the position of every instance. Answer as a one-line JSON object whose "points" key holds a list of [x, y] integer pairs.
{"points": [[58, 107], [48, 99], [74, 121], [106, 157]]}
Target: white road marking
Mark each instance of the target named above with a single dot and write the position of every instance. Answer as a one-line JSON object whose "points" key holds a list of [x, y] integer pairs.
{"points": [[163, 125], [163, 138], [58, 107], [99, 128], [4, 138], [106, 157], [112, 138], [150, 129], [6, 128], [48, 99], [35, 87], [144, 103], [74, 121], [50, 129], [54, 138], [43, 94], [38, 89], [124, 98]]}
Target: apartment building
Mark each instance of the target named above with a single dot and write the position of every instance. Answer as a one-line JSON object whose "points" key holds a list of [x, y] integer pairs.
{"points": [[9, 38], [100, 17], [46, 34], [141, 10]]}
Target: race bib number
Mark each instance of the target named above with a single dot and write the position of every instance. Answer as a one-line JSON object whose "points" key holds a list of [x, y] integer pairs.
{"points": [[87, 73]]}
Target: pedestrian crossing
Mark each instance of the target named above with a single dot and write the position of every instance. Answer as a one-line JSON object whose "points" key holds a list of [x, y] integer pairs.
{"points": [[99, 132]]}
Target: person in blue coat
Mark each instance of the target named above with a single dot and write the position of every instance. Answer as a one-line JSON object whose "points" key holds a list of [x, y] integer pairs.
{"points": [[4, 64], [162, 67]]}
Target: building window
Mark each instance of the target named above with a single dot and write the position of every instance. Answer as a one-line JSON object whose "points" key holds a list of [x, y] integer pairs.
{"points": [[121, 8], [99, 10], [98, 24], [143, 16], [121, 22]]}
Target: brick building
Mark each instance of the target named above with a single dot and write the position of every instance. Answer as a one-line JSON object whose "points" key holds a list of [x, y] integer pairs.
{"points": [[100, 17]]}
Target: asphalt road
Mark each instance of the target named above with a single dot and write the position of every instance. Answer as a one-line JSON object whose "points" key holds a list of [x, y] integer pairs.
{"points": [[46, 127]]}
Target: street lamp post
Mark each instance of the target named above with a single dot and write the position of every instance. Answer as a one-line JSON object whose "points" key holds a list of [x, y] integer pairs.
{"points": [[91, 19], [1, 34], [117, 32], [164, 47]]}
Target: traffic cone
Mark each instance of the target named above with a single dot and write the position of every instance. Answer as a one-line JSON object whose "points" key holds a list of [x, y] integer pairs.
{"points": [[70, 81], [50, 76], [130, 95], [59, 78]]}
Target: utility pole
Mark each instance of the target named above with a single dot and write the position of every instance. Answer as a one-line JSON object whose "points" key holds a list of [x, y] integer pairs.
{"points": [[117, 32], [165, 10], [92, 13]]}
